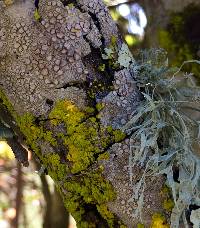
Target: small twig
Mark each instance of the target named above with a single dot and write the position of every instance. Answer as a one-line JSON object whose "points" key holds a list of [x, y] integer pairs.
{"points": [[18, 195]]}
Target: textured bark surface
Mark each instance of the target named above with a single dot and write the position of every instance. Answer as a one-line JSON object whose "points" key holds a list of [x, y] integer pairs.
{"points": [[49, 79]]}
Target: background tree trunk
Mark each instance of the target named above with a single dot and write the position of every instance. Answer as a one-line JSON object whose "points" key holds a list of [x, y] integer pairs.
{"points": [[158, 13]]}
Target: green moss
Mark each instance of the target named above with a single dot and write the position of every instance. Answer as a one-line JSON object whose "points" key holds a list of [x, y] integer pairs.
{"points": [[100, 86], [99, 189], [27, 125], [30, 131], [82, 146], [117, 134], [109, 129]]}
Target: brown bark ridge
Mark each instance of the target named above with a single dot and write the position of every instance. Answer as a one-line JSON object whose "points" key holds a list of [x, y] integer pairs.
{"points": [[69, 103]]}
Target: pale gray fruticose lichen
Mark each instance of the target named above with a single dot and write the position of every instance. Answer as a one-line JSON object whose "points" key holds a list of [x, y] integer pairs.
{"points": [[167, 136], [195, 218]]}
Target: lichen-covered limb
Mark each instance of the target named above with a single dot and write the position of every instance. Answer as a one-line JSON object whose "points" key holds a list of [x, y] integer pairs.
{"points": [[67, 109], [11, 133]]}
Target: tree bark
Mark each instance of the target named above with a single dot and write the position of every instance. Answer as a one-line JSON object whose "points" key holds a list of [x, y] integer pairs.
{"points": [[70, 103]]}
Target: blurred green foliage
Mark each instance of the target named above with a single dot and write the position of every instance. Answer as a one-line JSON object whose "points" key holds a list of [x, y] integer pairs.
{"points": [[181, 38]]}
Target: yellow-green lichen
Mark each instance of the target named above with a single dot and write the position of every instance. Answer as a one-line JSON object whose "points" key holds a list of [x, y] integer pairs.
{"points": [[118, 135], [104, 156], [140, 225], [85, 137], [57, 170], [99, 106], [25, 122], [122, 226], [102, 67], [65, 111], [27, 125], [89, 110], [106, 214], [113, 42], [70, 5], [7, 103], [168, 205], [37, 15], [91, 189], [34, 132], [159, 221], [168, 202]]}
